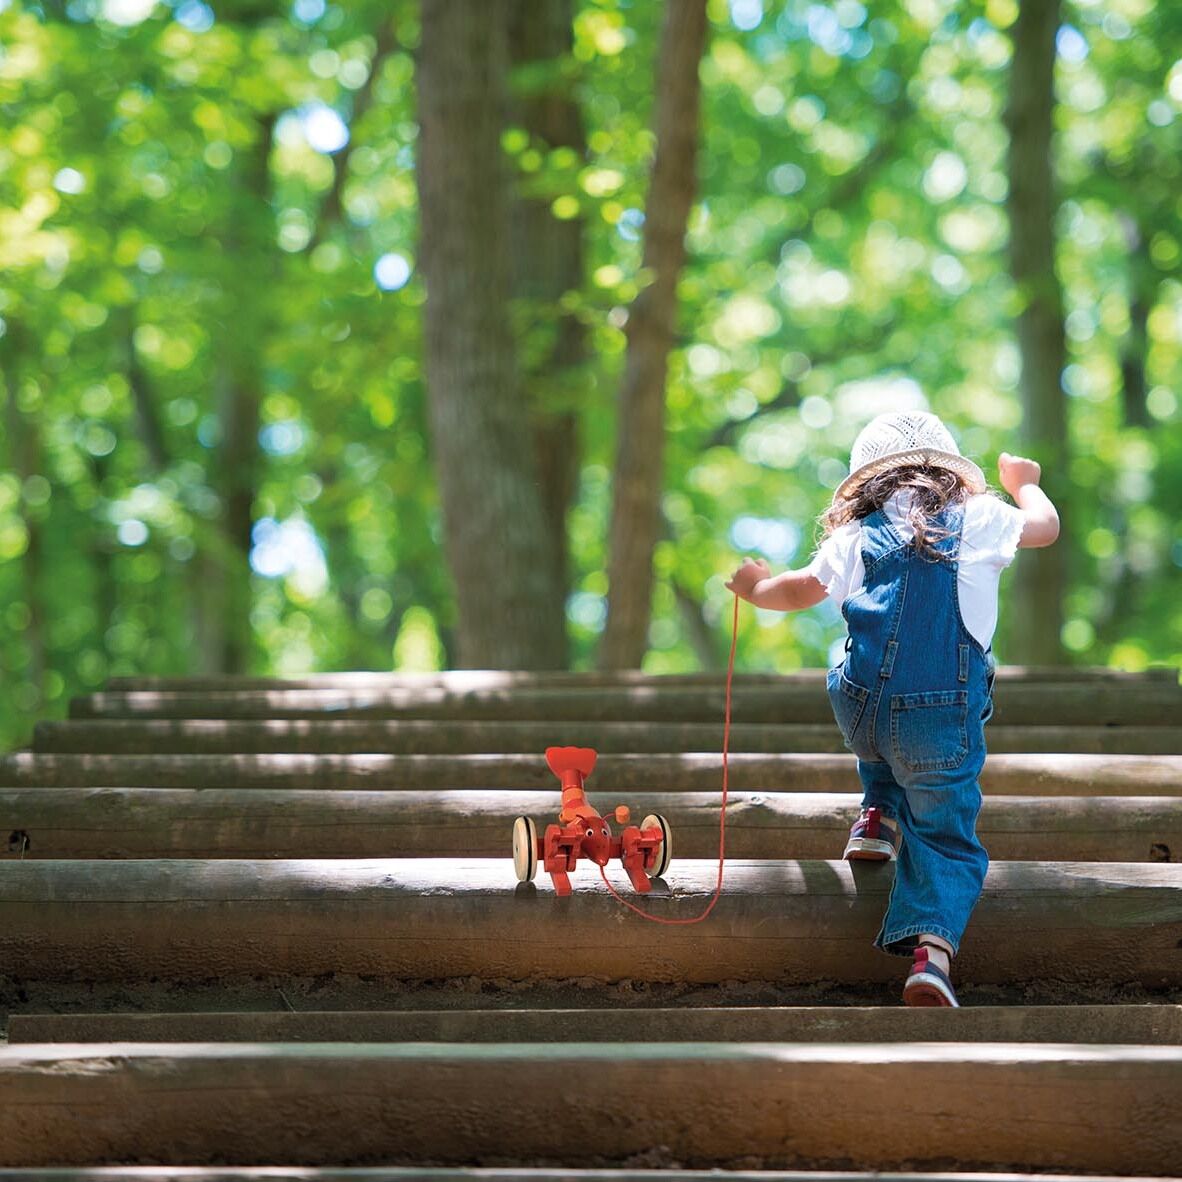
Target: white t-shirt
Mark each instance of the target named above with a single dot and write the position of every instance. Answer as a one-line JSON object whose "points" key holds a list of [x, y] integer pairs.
{"points": [[988, 545]]}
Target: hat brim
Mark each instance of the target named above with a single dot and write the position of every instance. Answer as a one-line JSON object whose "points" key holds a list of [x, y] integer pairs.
{"points": [[973, 476]]}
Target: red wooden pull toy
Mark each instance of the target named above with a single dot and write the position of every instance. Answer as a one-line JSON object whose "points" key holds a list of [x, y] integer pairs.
{"points": [[644, 850]]}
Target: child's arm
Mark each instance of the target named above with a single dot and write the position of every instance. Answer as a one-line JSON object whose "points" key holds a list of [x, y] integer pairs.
{"points": [[789, 592], [1020, 477]]}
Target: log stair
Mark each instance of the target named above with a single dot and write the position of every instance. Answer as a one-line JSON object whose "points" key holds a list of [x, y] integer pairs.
{"points": [[256, 928]]}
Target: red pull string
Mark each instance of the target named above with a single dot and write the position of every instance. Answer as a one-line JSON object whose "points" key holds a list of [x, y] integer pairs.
{"points": [[726, 744]]}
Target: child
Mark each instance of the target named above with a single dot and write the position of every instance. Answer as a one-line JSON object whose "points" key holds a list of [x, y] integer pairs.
{"points": [[914, 549]]}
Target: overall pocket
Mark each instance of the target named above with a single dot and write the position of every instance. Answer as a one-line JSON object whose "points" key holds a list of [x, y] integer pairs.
{"points": [[990, 675], [928, 729], [848, 700]]}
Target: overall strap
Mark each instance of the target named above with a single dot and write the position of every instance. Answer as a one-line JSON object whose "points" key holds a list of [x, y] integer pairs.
{"points": [[878, 539], [951, 519]]}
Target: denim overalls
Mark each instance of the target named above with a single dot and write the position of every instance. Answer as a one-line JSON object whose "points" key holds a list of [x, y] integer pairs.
{"points": [[911, 699]]}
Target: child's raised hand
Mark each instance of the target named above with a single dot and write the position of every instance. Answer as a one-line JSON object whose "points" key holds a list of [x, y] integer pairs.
{"points": [[1014, 472], [743, 581]]}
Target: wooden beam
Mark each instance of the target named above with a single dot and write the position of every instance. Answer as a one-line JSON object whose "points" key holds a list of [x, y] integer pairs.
{"points": [[1001, 1105], [784, 921], [475, 679], [1096, 704], [268, 823], [490, 1174], [328, 737], [1159, 1025], [1015, 774], [495, 1174]]}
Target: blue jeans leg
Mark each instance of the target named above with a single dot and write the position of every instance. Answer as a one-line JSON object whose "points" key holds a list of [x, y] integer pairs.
{"points": [[880, 789], [942, 864]]}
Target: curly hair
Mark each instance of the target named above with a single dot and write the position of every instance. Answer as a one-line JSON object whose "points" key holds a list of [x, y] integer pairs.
{"points": [[934, 489]]}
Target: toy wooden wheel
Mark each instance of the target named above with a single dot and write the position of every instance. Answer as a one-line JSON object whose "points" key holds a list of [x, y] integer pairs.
{"points": [[525, 849], [665, 849]]}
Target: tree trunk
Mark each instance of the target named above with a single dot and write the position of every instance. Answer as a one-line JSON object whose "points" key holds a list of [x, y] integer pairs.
{"points": [[639, 470], [24, 459], [237, 481], [547, 263], [696, 628], [147, 415], [1041, 575], [1142, 284], [223, 620], [511, 611], [332, 208]]}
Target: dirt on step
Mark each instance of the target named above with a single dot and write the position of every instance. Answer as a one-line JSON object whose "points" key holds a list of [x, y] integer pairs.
{"points": [[342, 992]]}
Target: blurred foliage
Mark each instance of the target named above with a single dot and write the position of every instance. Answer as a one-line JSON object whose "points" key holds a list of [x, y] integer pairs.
{"points": [[847, 257]]}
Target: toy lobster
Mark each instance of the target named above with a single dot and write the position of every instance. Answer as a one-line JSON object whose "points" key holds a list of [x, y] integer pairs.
{"points": [[644, 850]]}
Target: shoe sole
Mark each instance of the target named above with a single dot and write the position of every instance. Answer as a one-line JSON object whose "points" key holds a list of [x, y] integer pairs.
{"points": [[869, 849], [924, 992]]}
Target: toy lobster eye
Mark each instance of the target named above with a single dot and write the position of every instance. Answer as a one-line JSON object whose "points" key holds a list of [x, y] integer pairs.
{"points": [[590, 832], [605, 831]]}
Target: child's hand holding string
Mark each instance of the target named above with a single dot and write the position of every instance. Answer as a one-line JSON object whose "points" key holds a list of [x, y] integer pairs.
{"points": [[789, 591], [745, 579]]}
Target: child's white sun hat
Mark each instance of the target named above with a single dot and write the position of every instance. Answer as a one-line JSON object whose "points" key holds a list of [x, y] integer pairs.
{"points": [[906, 437]]}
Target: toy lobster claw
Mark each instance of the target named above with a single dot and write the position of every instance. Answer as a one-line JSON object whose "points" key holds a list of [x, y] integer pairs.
{"points": [[644, 850]]}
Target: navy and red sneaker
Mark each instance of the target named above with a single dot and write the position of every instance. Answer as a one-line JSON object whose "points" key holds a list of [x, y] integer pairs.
{"points": [[871, 840], [928, 985]]}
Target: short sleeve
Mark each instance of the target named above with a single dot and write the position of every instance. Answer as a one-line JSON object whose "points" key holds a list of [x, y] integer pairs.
{"points": [[835, 562], [993, 529]]}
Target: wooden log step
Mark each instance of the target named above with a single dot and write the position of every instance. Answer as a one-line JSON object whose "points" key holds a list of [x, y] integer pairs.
{"points": [[415, 919], [511, 1174], [1159, 1025], [1073, 704], [1021, 774], [706, 1104], [267, 823], [506, 1174], [344, 737], [476, 679]]}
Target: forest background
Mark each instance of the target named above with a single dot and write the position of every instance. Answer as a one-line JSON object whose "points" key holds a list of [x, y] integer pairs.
{"points": [[495, 332]]}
